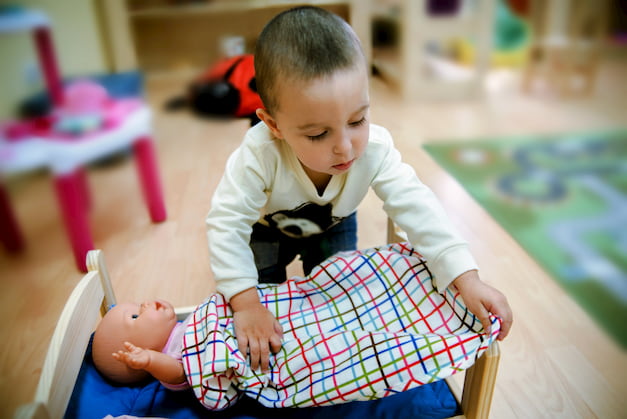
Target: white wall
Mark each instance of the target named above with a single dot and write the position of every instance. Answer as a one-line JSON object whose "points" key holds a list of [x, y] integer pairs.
{"points": [[78, 45]]}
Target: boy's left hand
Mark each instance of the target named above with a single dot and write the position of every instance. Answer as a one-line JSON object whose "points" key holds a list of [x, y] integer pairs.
{"points": [[482, 299]]}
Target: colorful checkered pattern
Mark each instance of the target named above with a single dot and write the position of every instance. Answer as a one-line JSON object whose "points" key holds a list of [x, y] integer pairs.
{"points": [[363, 325]]}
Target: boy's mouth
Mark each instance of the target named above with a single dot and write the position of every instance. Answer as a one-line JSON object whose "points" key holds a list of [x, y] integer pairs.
{"points": [[344, 166]]}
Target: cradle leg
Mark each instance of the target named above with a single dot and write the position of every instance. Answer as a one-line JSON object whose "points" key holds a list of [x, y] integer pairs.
{"points": [[479, 384], [146, 162], [10, 234], [72, 203]]}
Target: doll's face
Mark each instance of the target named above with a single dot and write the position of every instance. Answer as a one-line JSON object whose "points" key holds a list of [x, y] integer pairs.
{"points": [[147, 325]]}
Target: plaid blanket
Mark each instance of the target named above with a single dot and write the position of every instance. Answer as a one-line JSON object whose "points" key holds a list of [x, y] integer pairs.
{"points": [[363, 325]]}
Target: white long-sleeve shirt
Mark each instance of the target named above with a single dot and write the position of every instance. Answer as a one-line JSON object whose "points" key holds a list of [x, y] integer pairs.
{"points": [[263, 176]]}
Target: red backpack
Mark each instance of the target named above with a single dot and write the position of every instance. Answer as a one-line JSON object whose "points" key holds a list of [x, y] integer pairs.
{"points": [[226, 89]]}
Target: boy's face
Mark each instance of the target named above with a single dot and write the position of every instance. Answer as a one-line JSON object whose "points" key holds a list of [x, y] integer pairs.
{"points": [[324, 121]]}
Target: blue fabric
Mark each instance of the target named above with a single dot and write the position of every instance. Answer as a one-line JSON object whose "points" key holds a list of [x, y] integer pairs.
{"points": [[95, 397]]}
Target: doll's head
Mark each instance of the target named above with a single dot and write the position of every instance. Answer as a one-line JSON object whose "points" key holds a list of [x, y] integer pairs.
{"points": [[147, 325]]}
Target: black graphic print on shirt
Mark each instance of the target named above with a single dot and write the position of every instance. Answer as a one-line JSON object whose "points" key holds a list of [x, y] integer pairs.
{"points": [[304, 221]]}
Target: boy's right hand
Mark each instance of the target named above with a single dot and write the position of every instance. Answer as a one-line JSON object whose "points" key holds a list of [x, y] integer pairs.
{"points": [[256, 329]]}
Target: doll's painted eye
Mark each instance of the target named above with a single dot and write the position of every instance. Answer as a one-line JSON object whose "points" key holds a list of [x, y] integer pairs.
{"points": [[134, 316]]}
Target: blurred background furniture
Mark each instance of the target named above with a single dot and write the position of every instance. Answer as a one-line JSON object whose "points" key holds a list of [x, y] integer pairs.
{"points": [[64, 144], [417, 63], [565, 51], [165, 37]]}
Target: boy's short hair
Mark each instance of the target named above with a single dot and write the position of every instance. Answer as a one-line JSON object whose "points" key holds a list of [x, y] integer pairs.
{"points": [[303, 43]]}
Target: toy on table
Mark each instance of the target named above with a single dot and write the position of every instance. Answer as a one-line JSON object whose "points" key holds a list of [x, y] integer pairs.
{"points": [[82, 109]]}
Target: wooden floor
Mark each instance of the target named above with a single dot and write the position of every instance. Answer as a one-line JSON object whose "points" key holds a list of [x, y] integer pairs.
{"points": [[556, 362]]}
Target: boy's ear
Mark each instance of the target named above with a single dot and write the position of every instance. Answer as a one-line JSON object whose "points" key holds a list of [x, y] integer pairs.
{"points": [[270, 122]]}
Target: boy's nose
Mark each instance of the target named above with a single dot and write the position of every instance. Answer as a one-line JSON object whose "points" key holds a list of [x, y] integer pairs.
{"points": [[343, 144]]}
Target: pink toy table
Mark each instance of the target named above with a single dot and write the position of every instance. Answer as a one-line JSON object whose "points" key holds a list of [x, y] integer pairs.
{"points": [[33, 144]]}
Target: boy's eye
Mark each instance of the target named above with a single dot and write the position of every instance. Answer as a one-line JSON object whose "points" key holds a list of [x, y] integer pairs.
{"points": [[317, 137], [134, 316], [358, 123]]}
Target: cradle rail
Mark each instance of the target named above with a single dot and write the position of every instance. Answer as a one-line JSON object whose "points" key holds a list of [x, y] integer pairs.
{"points": [[94, 295], [476, 396], [69, 341]]}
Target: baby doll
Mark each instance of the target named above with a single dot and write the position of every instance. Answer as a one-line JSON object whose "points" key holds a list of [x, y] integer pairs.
{"points": [[134, 340], [362, 325]]}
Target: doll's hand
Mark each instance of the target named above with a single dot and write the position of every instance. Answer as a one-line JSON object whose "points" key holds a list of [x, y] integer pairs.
{"points": [[134, 356], [482, 299], [256, 329]]}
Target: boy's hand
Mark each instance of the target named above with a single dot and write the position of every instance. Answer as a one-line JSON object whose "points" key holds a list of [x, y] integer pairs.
{"points": [[482, 299], [134, 356], [256, 329]]}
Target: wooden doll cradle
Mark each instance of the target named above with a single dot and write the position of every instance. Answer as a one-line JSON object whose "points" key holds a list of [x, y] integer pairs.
{"points": [[92, 297]]}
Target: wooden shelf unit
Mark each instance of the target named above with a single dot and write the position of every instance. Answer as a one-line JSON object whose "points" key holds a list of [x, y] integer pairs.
{"points": [[164, 36], [420, 74]]}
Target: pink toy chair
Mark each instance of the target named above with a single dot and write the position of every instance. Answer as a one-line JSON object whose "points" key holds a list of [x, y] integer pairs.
{"points": [[83, 127]]}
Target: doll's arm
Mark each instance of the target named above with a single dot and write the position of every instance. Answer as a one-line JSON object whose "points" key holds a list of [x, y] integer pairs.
{"points": [[161, 366]]}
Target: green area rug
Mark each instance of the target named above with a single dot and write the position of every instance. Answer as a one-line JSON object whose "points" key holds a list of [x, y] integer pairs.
{"points": [[564, 199]]}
